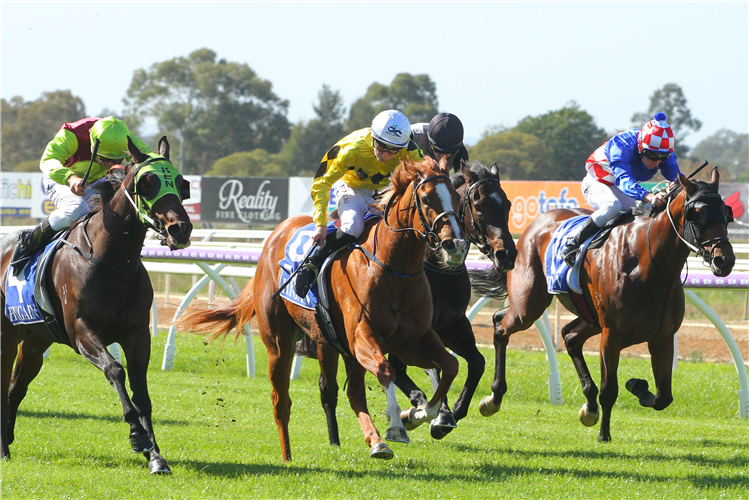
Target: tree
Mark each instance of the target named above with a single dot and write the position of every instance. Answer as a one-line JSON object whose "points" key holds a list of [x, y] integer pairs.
{"points": [[727, 149], [670, 100], [414, 96], [27, 127], [219, 107], [255, 163], [519, 156], [309, 141], [570, 135]]}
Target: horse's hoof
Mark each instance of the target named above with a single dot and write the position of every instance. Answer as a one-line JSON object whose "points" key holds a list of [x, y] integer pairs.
{"points": [[141, 443], [587, 418], [407, 419], [637, 386], [159, 466], [438, 431], [487, 407], [381, 450], [397, 435], [604, 438]]}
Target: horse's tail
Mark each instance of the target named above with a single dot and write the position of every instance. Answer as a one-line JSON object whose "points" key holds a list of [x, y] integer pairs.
{"points": [[220, 321], [488, 282]]}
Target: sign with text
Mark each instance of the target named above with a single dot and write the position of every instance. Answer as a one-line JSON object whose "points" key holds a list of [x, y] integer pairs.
{"points": [[532, 198], [22, 195], [248, 200]]}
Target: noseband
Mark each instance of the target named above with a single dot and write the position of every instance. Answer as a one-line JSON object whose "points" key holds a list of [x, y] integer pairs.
{"points": [[431, 236], [480, 240]]}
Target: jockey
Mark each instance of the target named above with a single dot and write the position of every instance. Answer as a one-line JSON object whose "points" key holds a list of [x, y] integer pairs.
{"points": [[64, 163], [441, 137], [614, 170], [354, 167]]}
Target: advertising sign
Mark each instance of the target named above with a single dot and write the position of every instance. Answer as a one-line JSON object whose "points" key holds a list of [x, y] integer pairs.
{"points": [[244, 200], [532, 198], [22, 195], [192, 206]]}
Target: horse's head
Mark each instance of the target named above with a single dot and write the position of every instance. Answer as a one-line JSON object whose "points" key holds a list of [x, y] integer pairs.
{"points": [[430, 200], [705, 223], [484, 211], [158, 190]]}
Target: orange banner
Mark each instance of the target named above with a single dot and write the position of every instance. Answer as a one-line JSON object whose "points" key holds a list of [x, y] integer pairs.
{"points": [[532, 198]]}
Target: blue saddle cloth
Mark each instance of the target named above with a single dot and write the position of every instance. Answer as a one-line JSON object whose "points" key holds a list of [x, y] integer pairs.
{"points": [[20, 304], [296, 249], [559, 277]]}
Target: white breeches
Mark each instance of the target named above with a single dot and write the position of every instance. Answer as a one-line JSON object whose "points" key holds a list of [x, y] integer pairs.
{"points": [[607, 201], [70, 207], [353, 204]]}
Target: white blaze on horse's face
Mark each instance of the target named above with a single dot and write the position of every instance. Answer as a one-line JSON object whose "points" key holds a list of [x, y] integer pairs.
{"points": [[458, 254], [447, 206]]}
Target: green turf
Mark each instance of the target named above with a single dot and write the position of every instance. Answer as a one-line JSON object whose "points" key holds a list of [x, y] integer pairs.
{"points": [[215, 427]]}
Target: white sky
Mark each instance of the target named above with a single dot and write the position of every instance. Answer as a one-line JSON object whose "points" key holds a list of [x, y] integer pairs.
{"points": [[493, 63]]}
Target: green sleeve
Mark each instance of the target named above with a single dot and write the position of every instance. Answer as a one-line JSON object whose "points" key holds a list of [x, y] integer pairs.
{"points": [[58, 150]]}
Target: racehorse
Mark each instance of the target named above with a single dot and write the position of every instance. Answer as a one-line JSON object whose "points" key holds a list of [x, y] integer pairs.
{"points": [[484, 212], [102, 294], [380, 302], [631, 289]]}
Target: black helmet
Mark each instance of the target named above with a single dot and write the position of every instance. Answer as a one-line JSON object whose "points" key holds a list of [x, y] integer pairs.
{"points": [[445, 133]]}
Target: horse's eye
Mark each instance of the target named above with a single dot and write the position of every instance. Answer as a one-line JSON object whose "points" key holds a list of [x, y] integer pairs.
{"points": [[148, 186], [424, 198]]}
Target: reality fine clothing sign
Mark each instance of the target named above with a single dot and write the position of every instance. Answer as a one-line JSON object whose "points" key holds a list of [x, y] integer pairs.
{"points": [[249, 200]]}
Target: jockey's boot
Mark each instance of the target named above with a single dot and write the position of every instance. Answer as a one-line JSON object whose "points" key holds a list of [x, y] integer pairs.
{"points": [[569, 252], [308, 274], [29, 241]]}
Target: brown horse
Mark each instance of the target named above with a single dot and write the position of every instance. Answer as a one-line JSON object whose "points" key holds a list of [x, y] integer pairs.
{"points": [[484, 212], [102, 294], [631, 289], [379, 305]]}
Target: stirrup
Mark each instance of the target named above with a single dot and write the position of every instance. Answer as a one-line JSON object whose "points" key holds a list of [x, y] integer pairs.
{"points": [[571, 257], [302, 287]]}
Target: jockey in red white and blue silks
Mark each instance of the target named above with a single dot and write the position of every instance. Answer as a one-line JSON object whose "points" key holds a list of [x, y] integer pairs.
{"points": [[614, 171]]}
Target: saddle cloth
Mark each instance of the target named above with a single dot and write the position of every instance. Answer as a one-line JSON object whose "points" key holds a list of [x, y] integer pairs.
{"points": [[296, 250], [20, 304], [559, 277]]}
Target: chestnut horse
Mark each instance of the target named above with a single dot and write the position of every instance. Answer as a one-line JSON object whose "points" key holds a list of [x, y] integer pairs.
{"points": [[632, 290], [378, 305], [484, 212], [102, 294]]}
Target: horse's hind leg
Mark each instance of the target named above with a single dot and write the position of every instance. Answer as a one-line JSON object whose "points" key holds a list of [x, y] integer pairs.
{"points": [[137, 349], [610, 349], [91, 347], [328, 359], [8, 352], [415, 395], [661, 358], [575, 334], [28, 364]]}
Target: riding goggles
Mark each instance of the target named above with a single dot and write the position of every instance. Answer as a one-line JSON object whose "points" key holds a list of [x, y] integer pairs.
{"points": [[655, 155], [386, 148]]}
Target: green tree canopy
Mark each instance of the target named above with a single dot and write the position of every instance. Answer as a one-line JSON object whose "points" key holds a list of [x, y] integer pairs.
{"points": [[309, 141], [570, 135], [27, 127], [728, 149], [414, 96], [255, 163], [519, 156], [219, 107], [670, 100]]}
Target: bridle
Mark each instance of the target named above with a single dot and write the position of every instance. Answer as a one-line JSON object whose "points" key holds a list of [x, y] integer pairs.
{"points": [[480, 239], [430, 235]]}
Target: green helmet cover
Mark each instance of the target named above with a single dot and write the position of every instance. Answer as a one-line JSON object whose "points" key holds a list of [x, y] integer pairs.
{"points": [[112, 135]]}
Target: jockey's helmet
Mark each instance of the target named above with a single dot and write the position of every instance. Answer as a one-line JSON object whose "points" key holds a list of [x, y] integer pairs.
{"points": [[112, 134], [391, 128], [445, 133]]}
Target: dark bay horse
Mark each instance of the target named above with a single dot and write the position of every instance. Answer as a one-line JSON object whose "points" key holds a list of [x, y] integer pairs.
{"points": [[632, 290], [377, 307], [102, 294], [484, 212]]}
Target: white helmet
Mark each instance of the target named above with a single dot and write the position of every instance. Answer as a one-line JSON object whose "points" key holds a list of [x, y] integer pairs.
{"points": [[392, 128]]}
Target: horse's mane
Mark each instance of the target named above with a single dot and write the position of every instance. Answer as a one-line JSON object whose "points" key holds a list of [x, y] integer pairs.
{"points": [[702, 186], [105, 191], [402, 176], [478, 169]]}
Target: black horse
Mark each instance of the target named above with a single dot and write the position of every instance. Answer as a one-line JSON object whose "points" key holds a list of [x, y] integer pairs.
{"points": [[484, 211], [102, 294]]}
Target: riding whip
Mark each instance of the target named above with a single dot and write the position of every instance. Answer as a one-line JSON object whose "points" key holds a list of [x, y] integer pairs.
{"points": [[306, 258], [697, 170], [93, 155]]}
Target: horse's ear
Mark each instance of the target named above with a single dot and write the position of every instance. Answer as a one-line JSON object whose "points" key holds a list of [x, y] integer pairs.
{"points": [[469, 175], [443, 167], [136, 153], [688, 185], [164, 147], [715, 177], [494, 169]]}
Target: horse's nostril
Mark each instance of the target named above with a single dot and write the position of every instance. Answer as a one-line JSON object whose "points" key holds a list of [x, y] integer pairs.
{"points": [[448, 245], [718, 261]]}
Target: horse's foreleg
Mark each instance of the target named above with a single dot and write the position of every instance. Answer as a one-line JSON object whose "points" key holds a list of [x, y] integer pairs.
{"points": [[464, 345], [328, 359], [409, 388], [28, 364], [575, 334], [8, 353], [661, 358], [357, 397], [609, 384], [491, 404], [137, 349]]}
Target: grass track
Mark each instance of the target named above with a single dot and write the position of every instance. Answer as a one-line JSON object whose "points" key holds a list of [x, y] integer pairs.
{"points": [[215, 427]]}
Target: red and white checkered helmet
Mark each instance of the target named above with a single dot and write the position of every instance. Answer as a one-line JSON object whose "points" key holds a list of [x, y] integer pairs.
{"points": [[656, 135]]}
